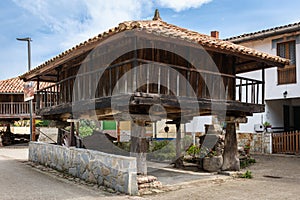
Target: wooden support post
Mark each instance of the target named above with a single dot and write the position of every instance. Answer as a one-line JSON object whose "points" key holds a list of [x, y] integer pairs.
{"points": [[59, 137], [178, 140], [231, 160], [77, 128], [38, 101], [8, 128], [33, 130], [263, 85], [139, 145], [72, 135], [118, 131]]}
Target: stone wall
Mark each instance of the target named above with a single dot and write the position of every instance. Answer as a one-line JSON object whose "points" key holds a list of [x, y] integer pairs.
{"points": [[117, 172], [257, 144]]}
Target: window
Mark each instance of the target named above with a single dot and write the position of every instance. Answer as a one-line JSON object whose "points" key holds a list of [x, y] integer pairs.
{"points": [[287, 74]]}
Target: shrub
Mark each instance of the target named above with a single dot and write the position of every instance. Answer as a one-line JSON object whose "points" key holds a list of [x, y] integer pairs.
{"points": [[193, 150]]}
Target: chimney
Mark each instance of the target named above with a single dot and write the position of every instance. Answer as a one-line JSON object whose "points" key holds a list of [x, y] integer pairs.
{"points": [[214, 34]]}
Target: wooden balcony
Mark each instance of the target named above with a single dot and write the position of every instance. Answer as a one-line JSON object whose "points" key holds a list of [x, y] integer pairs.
{"points": [[13, 110], [240, 94]]}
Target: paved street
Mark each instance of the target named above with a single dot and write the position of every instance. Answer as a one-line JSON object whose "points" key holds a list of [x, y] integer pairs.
{"points": [[275, 177], [20, 181]]}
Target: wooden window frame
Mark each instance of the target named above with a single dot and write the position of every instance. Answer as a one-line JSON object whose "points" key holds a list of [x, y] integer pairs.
{"points": [[287, 75]]}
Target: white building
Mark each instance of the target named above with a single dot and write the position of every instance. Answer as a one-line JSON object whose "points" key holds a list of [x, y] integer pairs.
{"points": [[282, 86]]}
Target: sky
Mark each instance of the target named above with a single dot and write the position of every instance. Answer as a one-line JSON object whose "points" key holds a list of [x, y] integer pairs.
{"points": [[55, 26]]}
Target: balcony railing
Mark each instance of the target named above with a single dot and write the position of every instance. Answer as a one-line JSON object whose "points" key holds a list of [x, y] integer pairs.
{"points": [[249, 91], [169, 80], [15, 108]]}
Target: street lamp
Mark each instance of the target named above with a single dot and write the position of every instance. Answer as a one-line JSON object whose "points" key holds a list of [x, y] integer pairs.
{"points": [[28, 39]]}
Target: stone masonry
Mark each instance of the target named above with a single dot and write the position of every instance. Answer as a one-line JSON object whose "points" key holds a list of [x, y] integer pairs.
{"points": [[113, 171], [258, 142]]}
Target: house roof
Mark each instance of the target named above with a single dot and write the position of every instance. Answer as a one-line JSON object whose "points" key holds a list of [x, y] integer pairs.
{"points": [[159, 27], [16, 86], [289, 28]]}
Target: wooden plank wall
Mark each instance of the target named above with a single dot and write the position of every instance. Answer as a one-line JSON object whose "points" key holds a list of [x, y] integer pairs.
{"points": [[173, 73]]}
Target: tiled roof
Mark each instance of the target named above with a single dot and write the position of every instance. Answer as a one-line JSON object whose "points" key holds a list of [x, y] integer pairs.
{"points": [[164, 29], [15, 85], [265, 33]]}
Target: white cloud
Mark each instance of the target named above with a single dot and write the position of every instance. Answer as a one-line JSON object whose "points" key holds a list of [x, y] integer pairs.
{"points": [[77, 20], [69, 22], [180, 5], [57, 25]]}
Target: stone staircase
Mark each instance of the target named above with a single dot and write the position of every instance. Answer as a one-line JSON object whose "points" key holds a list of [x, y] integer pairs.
{"points": [[148, 184]]}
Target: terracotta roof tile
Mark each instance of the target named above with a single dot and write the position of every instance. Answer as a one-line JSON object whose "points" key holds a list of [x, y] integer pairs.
{"points": [[16, 85], [265, 33], [162, 28]]}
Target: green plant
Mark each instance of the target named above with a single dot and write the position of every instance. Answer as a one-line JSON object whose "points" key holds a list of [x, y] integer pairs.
{"points": [[42, 123], [193, 150], [86, 127], [212, 153], [267, 124], [247, 174], [247, 162]]}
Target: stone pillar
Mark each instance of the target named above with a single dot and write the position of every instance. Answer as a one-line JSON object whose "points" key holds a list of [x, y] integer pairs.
{"points": [[231, 160], [139, 145]]}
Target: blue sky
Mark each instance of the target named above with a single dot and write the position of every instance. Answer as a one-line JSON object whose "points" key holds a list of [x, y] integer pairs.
{"points": [[55, 26]]}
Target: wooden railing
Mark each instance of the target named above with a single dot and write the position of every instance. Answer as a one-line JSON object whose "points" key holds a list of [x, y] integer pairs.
{"points": [[15, 108], [249, 90], [287, 142], [169, 80]]}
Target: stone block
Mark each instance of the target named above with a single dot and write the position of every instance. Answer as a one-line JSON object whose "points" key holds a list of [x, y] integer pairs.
{"points": [[73, 171], [105, 171], [212, 164]]}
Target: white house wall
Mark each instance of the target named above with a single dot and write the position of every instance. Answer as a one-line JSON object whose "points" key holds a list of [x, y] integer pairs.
{"points": [[273, 92], [197, 124]]}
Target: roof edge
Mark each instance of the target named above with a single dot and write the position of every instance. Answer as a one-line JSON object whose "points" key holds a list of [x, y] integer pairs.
{"points": [[258, 35]]}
